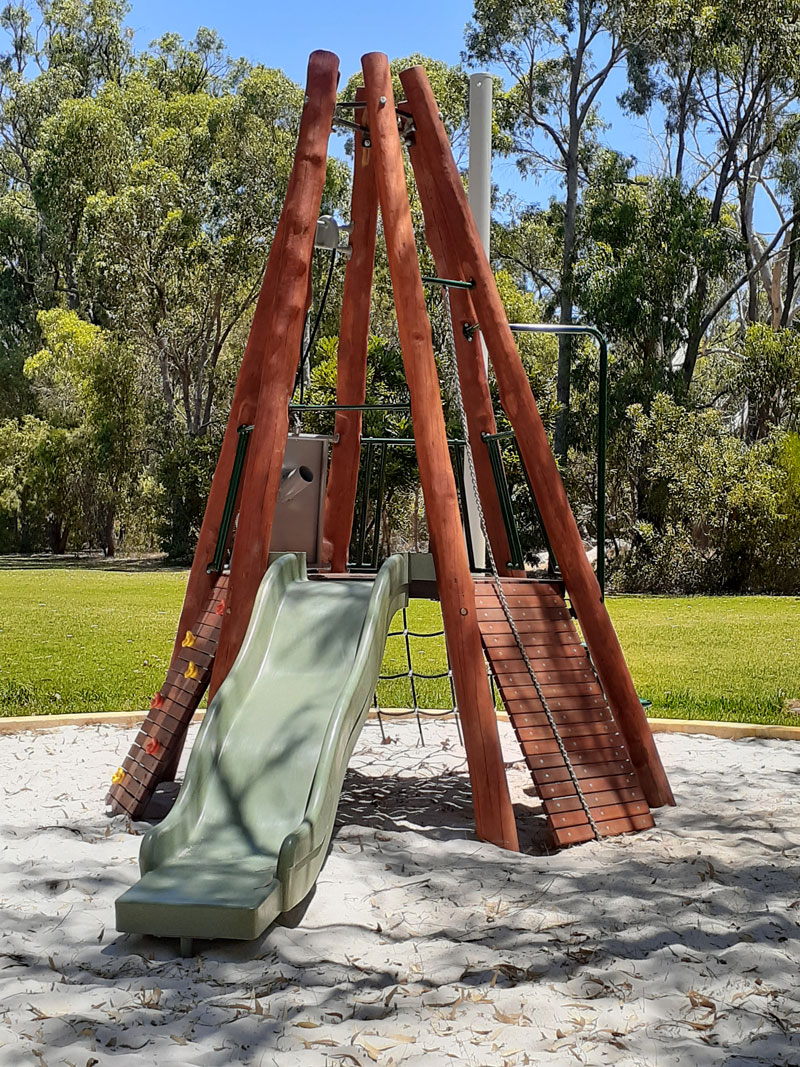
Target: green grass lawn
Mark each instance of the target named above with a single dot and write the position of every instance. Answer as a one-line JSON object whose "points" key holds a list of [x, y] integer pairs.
{"points": [[88, 639], [85, 640]]}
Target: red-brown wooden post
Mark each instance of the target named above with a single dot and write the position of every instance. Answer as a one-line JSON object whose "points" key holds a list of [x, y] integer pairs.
{"points": [[351, 376], [494, 815], [471, 370], [242, 413], [282, 350], [520, 406]]}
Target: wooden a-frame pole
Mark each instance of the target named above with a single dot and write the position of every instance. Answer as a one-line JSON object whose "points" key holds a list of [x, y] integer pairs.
{"points": [[351, 375], [494, 815], [520, 407], [242, 413], [471, 370], [265, 453]]}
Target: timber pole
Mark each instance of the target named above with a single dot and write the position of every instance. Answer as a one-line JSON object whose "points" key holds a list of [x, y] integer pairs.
{"points": [[471, 368], [281, 353], [351, 374], [519, 404], [243, 411], [494, 815]]}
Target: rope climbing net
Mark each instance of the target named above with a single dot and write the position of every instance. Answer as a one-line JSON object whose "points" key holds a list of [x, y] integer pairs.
{"points": [[419, 689]]}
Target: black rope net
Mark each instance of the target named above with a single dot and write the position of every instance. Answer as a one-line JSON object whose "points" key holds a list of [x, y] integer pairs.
{"points": [[420, 689]]}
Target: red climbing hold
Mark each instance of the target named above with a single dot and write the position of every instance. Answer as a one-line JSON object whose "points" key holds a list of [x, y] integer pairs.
{"points": [[220, 608], [157, 702], [152, 747]]}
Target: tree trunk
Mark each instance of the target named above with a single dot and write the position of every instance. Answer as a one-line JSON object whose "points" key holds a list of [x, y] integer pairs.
{"points": [[109, 540], [57, 535]]}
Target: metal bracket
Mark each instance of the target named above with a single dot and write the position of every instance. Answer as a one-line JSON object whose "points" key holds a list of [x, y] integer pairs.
{"points": [[328, 236], [406, 127], [448, 283], [470, 329]]}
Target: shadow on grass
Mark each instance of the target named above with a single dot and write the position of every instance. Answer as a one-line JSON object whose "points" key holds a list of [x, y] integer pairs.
{"points": [[90, 561]]}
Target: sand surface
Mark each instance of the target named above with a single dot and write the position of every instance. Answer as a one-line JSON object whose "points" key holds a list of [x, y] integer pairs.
{"points": [[422, 946]]}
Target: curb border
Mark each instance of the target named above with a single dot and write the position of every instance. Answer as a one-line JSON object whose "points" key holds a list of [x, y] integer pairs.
{"points": [[730, 730]]}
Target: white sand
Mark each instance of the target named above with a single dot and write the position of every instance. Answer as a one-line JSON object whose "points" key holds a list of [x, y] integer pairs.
{"points": [[422, 946]]}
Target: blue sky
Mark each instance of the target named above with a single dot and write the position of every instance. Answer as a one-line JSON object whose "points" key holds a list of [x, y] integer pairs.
{"points": [[282, 34]]}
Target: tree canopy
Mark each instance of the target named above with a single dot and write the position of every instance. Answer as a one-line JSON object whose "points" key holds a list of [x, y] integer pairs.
{"points": [[139, 195]]}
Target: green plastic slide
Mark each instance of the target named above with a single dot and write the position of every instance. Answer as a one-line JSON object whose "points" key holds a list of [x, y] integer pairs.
{"points": [[250, 830]]}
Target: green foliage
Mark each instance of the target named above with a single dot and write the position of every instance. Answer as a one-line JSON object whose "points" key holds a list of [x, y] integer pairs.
{"points": [[710, 511], [646, 242], [88, 385], [48, 485], [140, 196], [184, 471], [768, 379]]}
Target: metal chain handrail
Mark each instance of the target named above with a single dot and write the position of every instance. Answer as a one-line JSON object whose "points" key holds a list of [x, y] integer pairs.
{"points": [[455, 383]]}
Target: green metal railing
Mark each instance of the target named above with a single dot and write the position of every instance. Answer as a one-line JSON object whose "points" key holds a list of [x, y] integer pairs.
{"points": [[517, 561], [361, 532], [365, 541], [602, 423], [348, 407], [218, 562]]}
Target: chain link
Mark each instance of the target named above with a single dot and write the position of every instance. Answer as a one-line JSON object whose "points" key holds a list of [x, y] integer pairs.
{"points": [[455, 385]]}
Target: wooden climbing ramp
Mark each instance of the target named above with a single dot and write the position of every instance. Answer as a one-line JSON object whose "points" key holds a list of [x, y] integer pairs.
{"points": [[155, 752], [602, 786]]}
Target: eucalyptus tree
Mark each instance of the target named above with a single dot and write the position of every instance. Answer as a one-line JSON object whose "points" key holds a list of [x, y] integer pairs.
{"points": [[59, 52], [725, 72], [559, 56], [140, 191]]}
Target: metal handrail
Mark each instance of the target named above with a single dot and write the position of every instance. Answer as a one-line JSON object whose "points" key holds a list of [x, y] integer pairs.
{"points": [[218, 562], [602, 423]]}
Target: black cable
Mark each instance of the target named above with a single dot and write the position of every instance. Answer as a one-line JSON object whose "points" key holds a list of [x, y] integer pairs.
{"points": [[312, 337]]}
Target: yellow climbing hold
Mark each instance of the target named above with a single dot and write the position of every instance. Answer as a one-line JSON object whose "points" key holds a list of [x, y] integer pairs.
{"points": [[192, 671], [117, 776], [189, 640]]}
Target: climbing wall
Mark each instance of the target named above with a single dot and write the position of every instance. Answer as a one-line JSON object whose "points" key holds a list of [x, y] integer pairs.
{"points": [[154, 754], [593, 742]]}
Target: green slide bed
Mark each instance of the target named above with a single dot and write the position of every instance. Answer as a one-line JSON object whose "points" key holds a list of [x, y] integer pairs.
{"points": [[249, 832]]}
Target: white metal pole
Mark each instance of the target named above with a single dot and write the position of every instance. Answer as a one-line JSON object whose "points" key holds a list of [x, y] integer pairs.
{"points": [[480, 201]]}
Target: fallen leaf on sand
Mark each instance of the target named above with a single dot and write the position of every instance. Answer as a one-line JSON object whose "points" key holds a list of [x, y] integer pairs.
{"points": [[699, 1000]]}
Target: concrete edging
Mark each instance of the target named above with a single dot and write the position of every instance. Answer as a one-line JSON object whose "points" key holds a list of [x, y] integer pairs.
{"points": [[731, 730]]}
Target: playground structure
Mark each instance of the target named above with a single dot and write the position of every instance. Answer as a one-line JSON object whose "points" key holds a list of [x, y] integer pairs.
{"points": [[291, 658]]}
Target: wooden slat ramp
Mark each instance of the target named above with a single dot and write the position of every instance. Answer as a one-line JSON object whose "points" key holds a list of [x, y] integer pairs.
{"points": [[154, 754], [594, 744]]}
